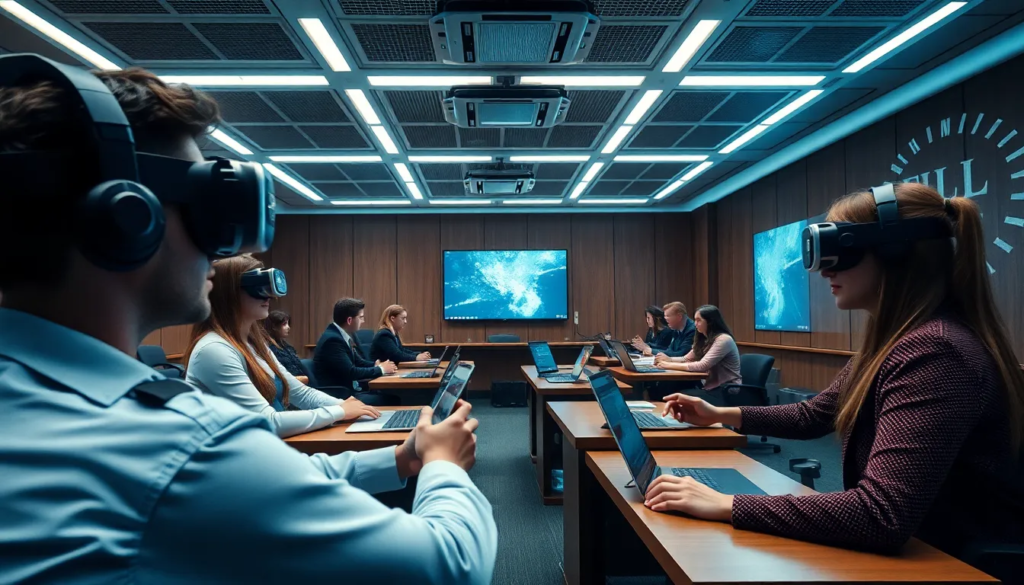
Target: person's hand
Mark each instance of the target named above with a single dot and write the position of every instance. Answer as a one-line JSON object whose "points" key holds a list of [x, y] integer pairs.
{"points": [[423, 356], [406, 459], [388, 367], [648, 352], [693, 410], [354, 408], [660, 355], [689, 496], [661, 359], [449, 440]]}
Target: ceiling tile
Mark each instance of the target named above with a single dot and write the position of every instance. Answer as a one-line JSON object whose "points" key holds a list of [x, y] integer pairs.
{"points": [[625, 43], [244, 106], [416, 107], [549, 188], [219, 6], [388, 7], [381, 189], [690, 106], [480, 137], [624, 171], [308, 106], [405, 43], [275, 137], [595, 106], [876, 8], [445, 189], [790, 8], [665, 171], [640, 8], [605, 187], [341, 137], [753, 44], [548, 171], [708, 136], [747, 106], [645, 188], [566, 136], [367, 171], [317, 172], [339, 189], [108, 6], [525, 138], [153, 41], [442, 172], [430, 136], [828, 44], [250, 41], [651, 136]]}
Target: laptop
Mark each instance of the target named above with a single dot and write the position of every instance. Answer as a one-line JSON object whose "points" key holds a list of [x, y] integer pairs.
{"points": [[642, 466], [424, 373], [543, 358], [608, 349], [627, 361], [405, 420], [645, 419], [577, 369]]}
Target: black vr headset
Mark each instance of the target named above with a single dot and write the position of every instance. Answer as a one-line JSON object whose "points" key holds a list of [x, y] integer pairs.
{"points": [[265, 283], [228, 206], [840, 246]]}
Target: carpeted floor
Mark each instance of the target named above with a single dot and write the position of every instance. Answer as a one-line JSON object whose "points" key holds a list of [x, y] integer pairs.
{"points": [[530, 534]]}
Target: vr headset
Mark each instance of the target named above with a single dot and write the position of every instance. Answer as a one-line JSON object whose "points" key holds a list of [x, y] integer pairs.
{"points": [[840, 246], [228, 206], [265, 283]]}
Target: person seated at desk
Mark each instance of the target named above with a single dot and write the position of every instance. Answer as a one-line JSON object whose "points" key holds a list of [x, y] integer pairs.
{"points": [[387, 343], [278, 326], [714, 351], [682, 329], [659, 334], [930, 411], [338, 361], [230, 357]]}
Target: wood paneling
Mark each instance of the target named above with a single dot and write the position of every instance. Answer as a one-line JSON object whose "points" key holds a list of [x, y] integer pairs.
{"points": [[330, 269], [764, 210], [462, 232], [593, 273], [704, 244], [634, 272], [552, 232], [292, 255], [419, 275], [153, 338], [792, 206], [506, 232], [175, 339], [675, 260], [374, 264], [826, 182], [736, 264]]}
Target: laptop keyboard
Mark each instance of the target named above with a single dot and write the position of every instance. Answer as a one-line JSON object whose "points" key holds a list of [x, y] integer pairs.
{"points": [[418, 375], [644, 370], [560, 378], [403, 419], [646, 419], [697, 474]]}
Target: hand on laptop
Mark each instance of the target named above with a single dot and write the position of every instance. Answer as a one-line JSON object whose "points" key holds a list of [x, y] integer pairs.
{"points": [[388, 367], [354, 409], [423, 356], [693, 410], [640, 345], [450, 440], [689, 496]]}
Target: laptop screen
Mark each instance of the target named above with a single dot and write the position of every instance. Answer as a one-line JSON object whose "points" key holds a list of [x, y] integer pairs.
{"points": [[450, 393], [445, 377], [440, 359], [625, 430], [542, 357], [581, 361], [623, 353], [607, 348]]}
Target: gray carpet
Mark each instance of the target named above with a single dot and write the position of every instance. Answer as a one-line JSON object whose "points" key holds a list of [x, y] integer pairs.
{"points": [[530, 534]]}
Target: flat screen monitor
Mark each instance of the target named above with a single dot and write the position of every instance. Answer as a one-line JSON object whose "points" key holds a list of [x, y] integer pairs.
{"points": [[505, 285], [781, 288]]}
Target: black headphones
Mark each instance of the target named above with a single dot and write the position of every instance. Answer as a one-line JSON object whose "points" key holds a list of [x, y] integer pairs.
{"points": [[264, 283], [840, 246], [228, 206]]}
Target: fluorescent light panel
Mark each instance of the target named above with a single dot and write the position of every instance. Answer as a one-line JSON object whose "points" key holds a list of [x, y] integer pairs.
{"points": [[612, 201], [580, 188], [367, 158], [617, 138], [682, 181], [793, 106], [247, 80], [229, 142], [403, 171], [643, 105], [324, 43], [669, 190], [427, 80], [745, 138], [900, 39], [460, 201], [385, 139], [448, 159], [661, 158], [292, 182], [691, 45], [696, 171], [58, 36], [551, 158], [360, 203], [414, 190], [358, 99], [583, 80], [751, 80], [532, 201], [592, 172]]}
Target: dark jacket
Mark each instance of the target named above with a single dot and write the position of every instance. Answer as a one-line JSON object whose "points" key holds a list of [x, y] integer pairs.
{"points": [[387, 346], [335, 363], [928, 456], [661, 340], [285, 354], [682, 341]]}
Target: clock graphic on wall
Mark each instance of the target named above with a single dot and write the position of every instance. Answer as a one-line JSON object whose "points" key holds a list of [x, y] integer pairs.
{"points": [[1000, 150]]}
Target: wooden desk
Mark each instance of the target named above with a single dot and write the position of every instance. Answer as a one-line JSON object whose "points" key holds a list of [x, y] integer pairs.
{"points": [[542, 428], [603, 361], [696, 551], [334, 440], [395, 382], [625, 375]]}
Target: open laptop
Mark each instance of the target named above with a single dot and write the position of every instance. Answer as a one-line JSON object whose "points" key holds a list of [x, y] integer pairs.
{"points": [[645, 419], [424, 373], [607, 348], [577, 369], [543, 358], [642, 466], [627, 360], [404, 420]]}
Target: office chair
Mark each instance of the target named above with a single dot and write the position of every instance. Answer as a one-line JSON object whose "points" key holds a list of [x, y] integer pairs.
{"points": [[342, 392], [808, 470], [754, 370], [154, 357], [365, 339], [503, 338]]}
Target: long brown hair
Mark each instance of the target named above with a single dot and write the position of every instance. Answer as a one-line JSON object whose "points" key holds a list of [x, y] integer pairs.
{"points": [[385, 318], [226, 318], [716, 326], [935, 273], [657, 317], [273, 324]]}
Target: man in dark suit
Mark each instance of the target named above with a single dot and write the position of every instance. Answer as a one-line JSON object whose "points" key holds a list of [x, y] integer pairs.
{"points": [[684, 329], [338, 360]]}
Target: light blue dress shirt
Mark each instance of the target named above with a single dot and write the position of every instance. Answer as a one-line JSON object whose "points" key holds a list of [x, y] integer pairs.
{"points": [[97, 487]]}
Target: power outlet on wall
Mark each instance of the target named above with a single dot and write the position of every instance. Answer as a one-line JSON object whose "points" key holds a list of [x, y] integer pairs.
{"points": [[575, 317]]}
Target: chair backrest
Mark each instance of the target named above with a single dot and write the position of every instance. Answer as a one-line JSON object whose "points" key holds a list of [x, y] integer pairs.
{"points": [[151, 355], [503, 338], [307, 364], [365, 339], [755, 368]]}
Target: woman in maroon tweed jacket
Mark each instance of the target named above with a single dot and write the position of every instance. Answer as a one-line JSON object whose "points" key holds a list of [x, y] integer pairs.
{"points": [[929, 411]]}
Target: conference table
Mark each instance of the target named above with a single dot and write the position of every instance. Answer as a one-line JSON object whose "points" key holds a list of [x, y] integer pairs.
{"points": [[603, 361], [395, 382], [621, 373], [697, 551], [334, 440]]}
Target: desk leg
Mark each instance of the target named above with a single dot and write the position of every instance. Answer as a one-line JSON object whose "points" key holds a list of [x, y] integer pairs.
{"points": [[544, 433], [583, 522], [531, 399]]}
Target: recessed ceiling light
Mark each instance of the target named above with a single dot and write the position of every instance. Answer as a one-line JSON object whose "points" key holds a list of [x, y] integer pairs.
{"points": [[528, 201], [550, 158], [751, 80], [427, 80], [403, 171], [58, 36], [900, 39], [691, 45], [385, 139], [696, 170], [324, 43], [583, 80], [362, 202], [793, 106], [580, 188], [367, 158], [358, 99], [616, 139], [292, 182], [460, 201], [682, 181], [669, 190], [229, 142], [643, 105], [448, 159], [247, 80], [592, 172], [414, 190], [660, 157], [745, 138], [612, 201]]}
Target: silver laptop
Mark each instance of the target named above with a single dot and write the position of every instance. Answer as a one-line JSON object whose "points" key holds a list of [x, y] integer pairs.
{"points": [[577, 369], [424, 373], [448, 393]]}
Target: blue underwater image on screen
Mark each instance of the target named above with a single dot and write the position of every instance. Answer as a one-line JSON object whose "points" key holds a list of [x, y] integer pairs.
{"points": [[505, 285], [781, 290]]}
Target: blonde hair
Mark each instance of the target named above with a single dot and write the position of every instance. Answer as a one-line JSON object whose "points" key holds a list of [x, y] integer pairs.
{"points": [[385, 318], [675, 306]]}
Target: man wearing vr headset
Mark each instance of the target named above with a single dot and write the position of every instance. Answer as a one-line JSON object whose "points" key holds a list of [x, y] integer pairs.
{"points": [[112, 473]]}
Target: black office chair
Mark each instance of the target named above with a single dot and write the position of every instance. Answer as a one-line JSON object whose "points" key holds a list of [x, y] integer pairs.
{"points": [[342, 392], [754, 370], [503, 338], [154, 357], [365, 339]]}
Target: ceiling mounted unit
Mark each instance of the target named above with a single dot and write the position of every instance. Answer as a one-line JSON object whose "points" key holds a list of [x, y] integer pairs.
{"points": [[505, 107], [520, 33], [499, 182]]}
